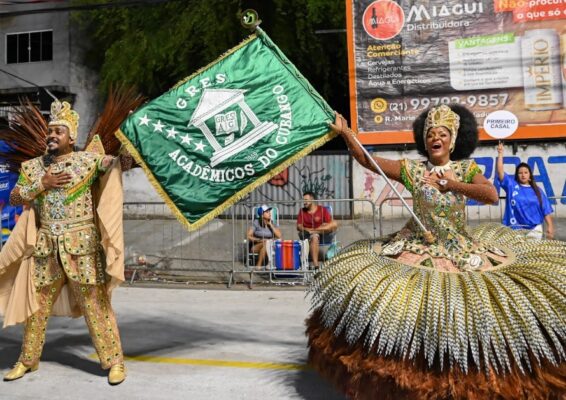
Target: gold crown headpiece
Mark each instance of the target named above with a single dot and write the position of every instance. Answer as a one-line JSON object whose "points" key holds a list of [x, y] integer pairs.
{"points": [[443, 116], [61, 114]]}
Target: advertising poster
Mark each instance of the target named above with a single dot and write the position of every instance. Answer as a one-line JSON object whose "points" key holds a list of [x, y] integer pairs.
{"points": [[8, 214], [488, 55]]}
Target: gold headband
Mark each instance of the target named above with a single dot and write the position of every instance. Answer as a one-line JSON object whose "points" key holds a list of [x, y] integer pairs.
{"points": [[61, 114], [443, 116]]}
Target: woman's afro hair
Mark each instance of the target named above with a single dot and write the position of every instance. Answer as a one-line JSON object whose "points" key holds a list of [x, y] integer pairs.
{"points": [[466, 141]]}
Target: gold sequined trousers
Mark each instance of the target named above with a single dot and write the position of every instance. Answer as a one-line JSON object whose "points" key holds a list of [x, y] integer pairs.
{"points": [[95, 306]]}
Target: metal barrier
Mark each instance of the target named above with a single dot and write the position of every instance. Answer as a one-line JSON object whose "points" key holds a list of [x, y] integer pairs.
{"points": [[362, 225], [159, 248], [156, 242]]}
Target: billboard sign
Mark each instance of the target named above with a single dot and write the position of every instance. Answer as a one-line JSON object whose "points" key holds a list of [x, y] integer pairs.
{"points": [[488, 55], [8, 214]]}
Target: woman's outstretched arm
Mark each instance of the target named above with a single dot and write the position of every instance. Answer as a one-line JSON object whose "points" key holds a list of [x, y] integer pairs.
{"points": [[391, 168]]}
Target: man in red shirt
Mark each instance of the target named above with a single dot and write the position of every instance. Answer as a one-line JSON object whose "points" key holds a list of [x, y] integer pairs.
{"points": [[315, 223]]}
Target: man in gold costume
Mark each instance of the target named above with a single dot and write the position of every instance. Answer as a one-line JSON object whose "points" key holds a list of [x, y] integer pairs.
{"points": [[69, 246]]}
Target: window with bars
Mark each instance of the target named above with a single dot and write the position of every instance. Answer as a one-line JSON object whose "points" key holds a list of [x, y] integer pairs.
{"points": [[29, 47]]}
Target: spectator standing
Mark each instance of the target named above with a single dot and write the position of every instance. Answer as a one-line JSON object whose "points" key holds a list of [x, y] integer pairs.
{"points": [[315, 224], [527, 207]]}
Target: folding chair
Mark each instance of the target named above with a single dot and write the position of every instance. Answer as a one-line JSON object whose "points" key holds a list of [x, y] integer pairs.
{"points": [[325, 247]]}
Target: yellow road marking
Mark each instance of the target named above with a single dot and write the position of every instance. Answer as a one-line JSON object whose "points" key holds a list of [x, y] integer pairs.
{"points": [[215, 363]]}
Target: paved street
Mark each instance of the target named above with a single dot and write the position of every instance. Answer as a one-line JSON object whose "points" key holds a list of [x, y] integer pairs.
{"points": [[181, 343]]}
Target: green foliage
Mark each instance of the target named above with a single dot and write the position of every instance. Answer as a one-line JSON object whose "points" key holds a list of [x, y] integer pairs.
{"points": [[155, 46]]}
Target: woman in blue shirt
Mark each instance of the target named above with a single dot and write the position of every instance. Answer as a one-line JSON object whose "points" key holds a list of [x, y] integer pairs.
{"points": [[527, 207]]}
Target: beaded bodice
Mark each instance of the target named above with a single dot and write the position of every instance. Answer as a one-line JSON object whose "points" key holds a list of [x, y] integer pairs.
{"points": [[67, 235], [74, 200], [443, 214]]}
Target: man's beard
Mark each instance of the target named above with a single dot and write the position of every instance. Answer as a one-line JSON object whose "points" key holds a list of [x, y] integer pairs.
{"points": [[49, 157]]}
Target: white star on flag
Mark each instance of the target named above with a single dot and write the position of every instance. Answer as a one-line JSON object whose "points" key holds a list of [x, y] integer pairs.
{"points": [[200, 146], [144, 120], [186, 139], [158, 127], [171, 133]]}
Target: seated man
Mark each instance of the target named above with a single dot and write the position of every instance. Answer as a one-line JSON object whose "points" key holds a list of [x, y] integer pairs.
{"points": [[315, 224], [262, 229]]}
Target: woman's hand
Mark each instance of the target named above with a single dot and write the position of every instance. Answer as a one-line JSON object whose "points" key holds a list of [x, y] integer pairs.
{"points": [[500, 149], [440, 183], [549, 225], [340, 126], [499, 164], [431, 180]]}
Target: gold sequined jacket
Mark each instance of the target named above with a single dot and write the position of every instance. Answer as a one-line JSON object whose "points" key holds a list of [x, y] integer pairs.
{"points": [[67, 235]]}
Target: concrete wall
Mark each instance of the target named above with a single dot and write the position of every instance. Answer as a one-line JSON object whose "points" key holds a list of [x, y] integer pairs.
{"points": [[548, 162], [46, 73], [137, 187], [328, 176]]}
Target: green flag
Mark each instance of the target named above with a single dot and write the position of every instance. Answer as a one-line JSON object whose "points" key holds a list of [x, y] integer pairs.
{"points": [[226, 129]]}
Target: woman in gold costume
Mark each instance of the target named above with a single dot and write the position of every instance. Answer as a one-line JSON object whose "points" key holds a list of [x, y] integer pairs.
{"points": [[451, 313]]}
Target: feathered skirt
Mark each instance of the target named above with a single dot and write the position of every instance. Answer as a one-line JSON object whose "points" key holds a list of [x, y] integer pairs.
{"points": [[383, 329]]}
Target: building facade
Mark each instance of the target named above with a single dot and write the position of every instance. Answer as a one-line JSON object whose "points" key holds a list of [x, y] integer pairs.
{"points": [[40, 48]]}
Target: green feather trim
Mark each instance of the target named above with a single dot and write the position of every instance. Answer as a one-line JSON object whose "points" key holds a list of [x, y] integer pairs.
{"points": [[405, 177], [22, 180], [472, 171], [79, 190]]}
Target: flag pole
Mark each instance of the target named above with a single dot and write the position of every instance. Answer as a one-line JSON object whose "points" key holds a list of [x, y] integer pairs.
{"points": [[429, 237], [250, 20]]}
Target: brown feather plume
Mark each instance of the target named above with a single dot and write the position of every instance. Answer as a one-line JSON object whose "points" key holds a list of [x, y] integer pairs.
{"points": [[120, 102], [26, 134], [363, 375]]}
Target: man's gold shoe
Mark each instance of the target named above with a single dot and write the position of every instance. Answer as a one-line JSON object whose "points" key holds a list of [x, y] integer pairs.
{"points": [[117, 374], [19, 370]]}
